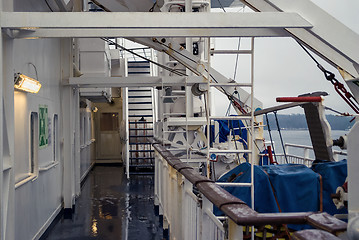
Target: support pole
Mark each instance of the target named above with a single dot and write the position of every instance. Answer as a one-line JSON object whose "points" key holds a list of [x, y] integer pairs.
{"points": [[68, 129], [7, 136]]}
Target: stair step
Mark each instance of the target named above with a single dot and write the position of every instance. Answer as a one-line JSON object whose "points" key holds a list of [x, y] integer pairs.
{"points": [[142, 129], [146, 66], [140, 109], [134, 151], [140, 136], [134, 115], [140, 122], [139, 96], [137, 143], [139, 90], [136, 62], [140, 103], [129, 73], [142, 165], [142, 158]]}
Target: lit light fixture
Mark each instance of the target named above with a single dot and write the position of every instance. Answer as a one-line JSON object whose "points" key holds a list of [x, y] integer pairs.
{"points": [[27, 84]]}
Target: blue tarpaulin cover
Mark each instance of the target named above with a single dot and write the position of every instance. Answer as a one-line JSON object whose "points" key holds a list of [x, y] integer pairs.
{"points": [[264, 200], [334, 175], [225, 126], [295, 186]]}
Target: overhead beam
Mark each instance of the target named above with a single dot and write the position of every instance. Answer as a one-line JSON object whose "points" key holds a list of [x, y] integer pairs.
{"points": [[133, 81], [135, 24], [329, 38], [145, 32]]}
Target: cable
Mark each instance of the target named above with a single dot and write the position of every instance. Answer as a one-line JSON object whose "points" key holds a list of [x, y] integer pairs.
{"points": [[170, 69], [30, 63], [280, 135], [310, 55], [48, 5], [101, 6], [149, 60], [234, 139], [230, 97], [176, 51], [220, 4], [339, 87], [270, 136], [340, 113], [153, 6], [237, 57], [228, 109]]}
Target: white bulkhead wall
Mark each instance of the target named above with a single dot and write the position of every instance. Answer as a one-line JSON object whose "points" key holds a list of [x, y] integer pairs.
{"points": [[41, 197], [87, 138], [53, 179]]}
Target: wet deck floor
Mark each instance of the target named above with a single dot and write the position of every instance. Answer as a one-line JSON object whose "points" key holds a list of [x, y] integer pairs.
{"points": [[112, 207]]}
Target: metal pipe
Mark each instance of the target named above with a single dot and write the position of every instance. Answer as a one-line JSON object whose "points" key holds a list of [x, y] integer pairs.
{"points": [[299, 99]]}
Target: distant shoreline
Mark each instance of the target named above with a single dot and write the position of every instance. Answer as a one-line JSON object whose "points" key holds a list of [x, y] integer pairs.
{"points": [[298, 122]]}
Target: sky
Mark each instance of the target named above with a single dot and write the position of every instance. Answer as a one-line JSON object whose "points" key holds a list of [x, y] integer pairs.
{"points": [[282, 68]]}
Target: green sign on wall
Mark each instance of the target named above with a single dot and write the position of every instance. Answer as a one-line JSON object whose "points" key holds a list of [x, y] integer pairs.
{"points": [[43, 125]]}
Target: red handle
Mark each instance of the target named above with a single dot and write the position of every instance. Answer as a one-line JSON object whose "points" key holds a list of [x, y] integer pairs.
{"points": [[299, 99]]}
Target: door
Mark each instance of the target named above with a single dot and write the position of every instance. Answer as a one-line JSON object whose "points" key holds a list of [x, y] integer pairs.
{"points": [[109, 145]]}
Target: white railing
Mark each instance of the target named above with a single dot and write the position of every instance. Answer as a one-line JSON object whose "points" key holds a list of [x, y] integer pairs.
{"points": [[186, 198], [305, 158], [188, 215], [281, 159]]}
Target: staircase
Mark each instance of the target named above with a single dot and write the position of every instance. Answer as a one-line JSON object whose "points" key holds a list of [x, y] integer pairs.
{"points": [[140, 121]]}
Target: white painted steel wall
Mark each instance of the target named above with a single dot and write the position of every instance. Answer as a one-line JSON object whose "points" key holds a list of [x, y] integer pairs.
{"points": [[56, 178], [87, 140], [38, 200]]}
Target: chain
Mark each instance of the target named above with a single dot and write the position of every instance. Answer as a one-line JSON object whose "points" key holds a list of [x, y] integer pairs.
{"points": [[339, 87]]}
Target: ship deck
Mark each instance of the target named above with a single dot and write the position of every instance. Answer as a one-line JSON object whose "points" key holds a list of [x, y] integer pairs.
{"points": [[111, 207]]}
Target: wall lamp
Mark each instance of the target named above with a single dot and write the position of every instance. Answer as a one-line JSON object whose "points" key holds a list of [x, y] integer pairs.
{"points": [[27, 84]]}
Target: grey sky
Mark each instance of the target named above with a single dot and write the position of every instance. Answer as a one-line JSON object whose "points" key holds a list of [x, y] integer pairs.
{"points": [[282, 68]]}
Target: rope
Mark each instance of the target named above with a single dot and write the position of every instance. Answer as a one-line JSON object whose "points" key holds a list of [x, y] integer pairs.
{"points": [[280, 135], [270, 136]]}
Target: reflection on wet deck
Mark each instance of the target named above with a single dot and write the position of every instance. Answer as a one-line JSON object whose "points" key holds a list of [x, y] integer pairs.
{"points": [[112, 207]]}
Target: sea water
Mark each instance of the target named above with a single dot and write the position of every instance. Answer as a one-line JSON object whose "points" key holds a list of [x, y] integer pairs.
{"points": [[300, 137]]}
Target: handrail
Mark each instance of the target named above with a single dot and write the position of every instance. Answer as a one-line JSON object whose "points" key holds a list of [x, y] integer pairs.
{"points": [[298, 146], [311, 148], [87, 143], [28, 178], [237, 210], [47, 167]]}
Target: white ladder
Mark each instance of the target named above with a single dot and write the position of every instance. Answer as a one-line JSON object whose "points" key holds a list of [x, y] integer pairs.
{"points": [[251, 138]]}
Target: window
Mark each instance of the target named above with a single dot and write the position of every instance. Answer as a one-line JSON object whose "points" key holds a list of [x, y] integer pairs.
{"points": [[55, 134], [109, 122], [86, 129], [82, 134], [34, 141]]}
